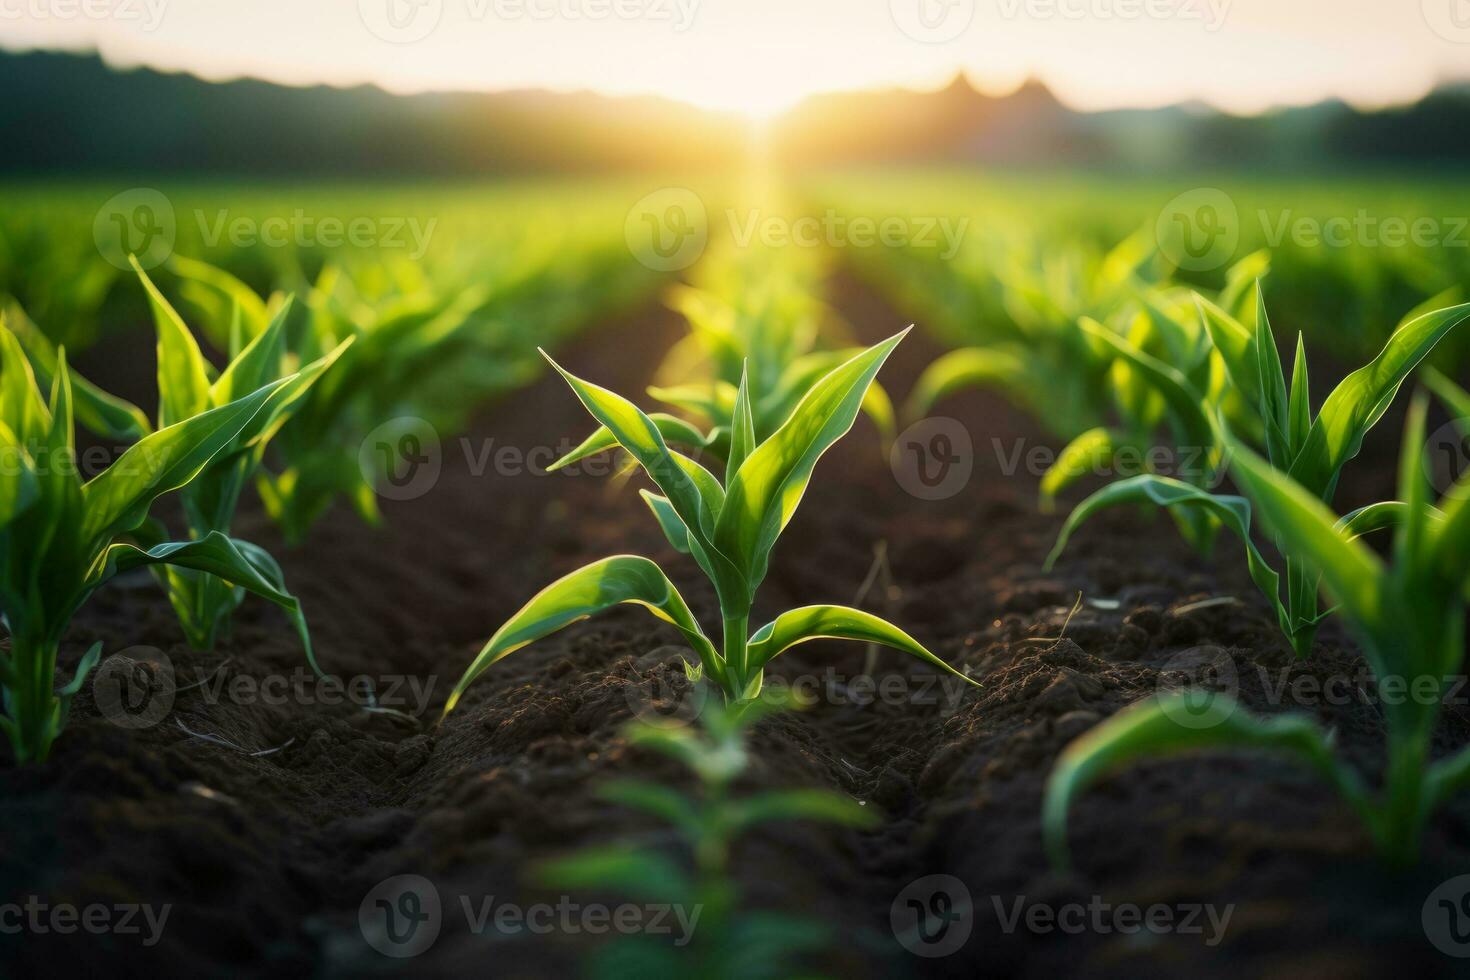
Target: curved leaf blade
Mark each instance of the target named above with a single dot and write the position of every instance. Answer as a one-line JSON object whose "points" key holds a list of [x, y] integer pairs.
{"points": [[581, 594]]}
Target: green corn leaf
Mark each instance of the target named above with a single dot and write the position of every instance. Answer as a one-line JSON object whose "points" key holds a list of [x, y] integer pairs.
{"points": [[1380, 516], [640, 436], [1184, 403], [96, 410], [1231, 511], [675, 431], [1084, 455], [183, 373], [590, 590], [1455, 398], [1236, 346], [1275, 410], [765, 493], [1360, 400], [779, 806], [742, 427], [966, 368], [258, 363], [879, 407], [713, 402], [647, 875], [118, 498], [288, 398], [668, 520], [808, 623], [1299, 405], [19, 487], [237, 562], [1445, 779], [1307, 530], [21, 406], [660, 801], [1151, 728], [219, 292]]}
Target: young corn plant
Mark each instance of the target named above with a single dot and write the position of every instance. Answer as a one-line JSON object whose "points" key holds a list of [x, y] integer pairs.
{"points": [[730, 943], [59, 535], [1312, 450], [729, 530], [758, 317], [1106, 354], [1409, 616], [189, 385]]}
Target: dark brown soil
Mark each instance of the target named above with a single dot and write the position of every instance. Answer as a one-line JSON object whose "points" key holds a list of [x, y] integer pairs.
{"points": [[265, 859]]}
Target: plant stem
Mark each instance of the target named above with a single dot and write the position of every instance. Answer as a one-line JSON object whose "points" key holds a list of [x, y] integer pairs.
{"points": [[737, 634], [30, 702]]}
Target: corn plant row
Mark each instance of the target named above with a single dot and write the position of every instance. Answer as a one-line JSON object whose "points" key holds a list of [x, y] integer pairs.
{"points": [[1208, 371]]}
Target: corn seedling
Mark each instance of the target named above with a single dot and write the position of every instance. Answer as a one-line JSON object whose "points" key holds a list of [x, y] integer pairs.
{"points": [[729, 530], [1408, 614], [1312, 450], [188, 385], [59, 535], [429, 346], [729, 942]]}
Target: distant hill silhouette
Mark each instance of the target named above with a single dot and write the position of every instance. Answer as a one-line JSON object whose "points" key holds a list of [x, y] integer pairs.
{"points": [[73, 113]]}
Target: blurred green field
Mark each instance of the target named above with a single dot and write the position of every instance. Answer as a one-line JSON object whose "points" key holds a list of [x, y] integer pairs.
{"points": [[1348, 256]]}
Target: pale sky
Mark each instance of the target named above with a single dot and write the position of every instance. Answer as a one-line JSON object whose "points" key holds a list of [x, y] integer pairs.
{"points": [[760, 56]]}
